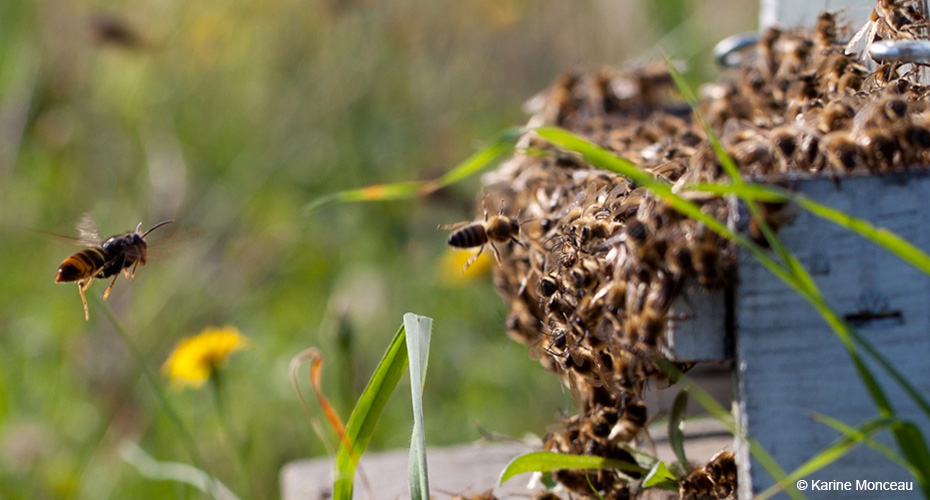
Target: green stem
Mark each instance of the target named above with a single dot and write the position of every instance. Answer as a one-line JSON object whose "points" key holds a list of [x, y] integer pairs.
{"points": [[186, 439], [216, 386]]}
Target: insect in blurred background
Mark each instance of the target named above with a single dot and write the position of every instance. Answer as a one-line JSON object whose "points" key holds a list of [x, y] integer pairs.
{"points": [[102, 260]]}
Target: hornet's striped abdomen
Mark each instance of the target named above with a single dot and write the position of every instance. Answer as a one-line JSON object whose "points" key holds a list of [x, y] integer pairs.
{"points": [[470, 236], [82, 265], [117, 253]]}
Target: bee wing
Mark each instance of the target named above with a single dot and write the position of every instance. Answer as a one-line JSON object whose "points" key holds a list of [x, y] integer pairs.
{"points": [[88, 234], [853, 46]]}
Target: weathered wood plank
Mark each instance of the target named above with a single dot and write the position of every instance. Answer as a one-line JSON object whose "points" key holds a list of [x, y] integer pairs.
{"points": [[697, 328], [793, 13], [791, 364]]}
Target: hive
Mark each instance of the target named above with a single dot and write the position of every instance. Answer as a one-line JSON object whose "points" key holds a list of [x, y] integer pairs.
{"points": [[600, 260]]}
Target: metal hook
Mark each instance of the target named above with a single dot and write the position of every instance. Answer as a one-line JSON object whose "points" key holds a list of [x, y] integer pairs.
{"points": [[728, 52], [900, 51]]}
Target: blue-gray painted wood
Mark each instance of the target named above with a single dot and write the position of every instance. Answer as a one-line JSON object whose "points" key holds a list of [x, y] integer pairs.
{"points": [[794, 13], [790, 364]]}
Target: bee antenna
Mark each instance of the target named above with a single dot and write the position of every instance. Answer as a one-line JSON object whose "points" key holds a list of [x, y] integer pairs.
{"points": [[156, 226]]}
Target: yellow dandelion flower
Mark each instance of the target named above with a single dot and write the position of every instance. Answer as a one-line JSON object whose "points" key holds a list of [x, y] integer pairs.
{"points": [[194, 359], [453, 260]]}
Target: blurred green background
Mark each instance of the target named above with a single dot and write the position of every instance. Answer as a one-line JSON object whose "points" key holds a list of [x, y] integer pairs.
{"points": [[230, 116]]}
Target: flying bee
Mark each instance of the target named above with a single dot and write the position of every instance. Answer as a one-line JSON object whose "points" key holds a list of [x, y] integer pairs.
{"points": [[116, 253], [497, 229], [108, 29]]}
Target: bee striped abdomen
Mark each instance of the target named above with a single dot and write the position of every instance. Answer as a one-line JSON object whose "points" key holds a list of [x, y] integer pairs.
{"points": [[81, 265], [469, 236]]}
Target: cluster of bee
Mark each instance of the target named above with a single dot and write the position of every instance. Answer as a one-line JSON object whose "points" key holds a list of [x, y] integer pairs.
{"points": [[591, 263], [716, 479], [804, 104]]}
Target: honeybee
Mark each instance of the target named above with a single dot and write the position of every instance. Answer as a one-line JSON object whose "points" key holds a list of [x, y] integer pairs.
{"points": [[548, 285], [553, 344], [914, 144], [631, 423], [722, 471], [499, 229], [717, 479], [879, 147], [116, 253], [890, 19], [841, 151]]}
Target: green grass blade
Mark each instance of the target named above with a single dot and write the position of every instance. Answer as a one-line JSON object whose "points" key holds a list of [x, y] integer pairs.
{"points": [[915, 450], [660, 477], [174, 471], [186, 438], [882, 237], [365, 415], [676, 437], [861, 435], [482, 158], [542, 461], [729, 166], [475, 163], [419, 329], [917, 462], [598, 156], [836, 450], [377, 192]]}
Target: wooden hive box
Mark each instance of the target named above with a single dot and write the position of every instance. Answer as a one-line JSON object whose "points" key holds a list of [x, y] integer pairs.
{"points": [[789, 362]]}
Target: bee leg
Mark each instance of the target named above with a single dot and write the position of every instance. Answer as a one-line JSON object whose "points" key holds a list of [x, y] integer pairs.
{"points": [[518, 242], [497, 255], [81, 287], [133, 274], [471, 260], [107, 292]]}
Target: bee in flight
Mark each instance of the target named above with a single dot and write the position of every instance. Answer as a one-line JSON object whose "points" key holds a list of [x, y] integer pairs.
{"points": [[102, 260], [499, 228]]}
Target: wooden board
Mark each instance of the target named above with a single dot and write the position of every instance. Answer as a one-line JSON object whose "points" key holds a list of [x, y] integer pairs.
{"points": [[790, 363], [794, 13]]}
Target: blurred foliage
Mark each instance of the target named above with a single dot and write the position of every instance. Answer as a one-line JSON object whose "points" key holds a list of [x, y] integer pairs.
{"points": [[230, 116]]}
